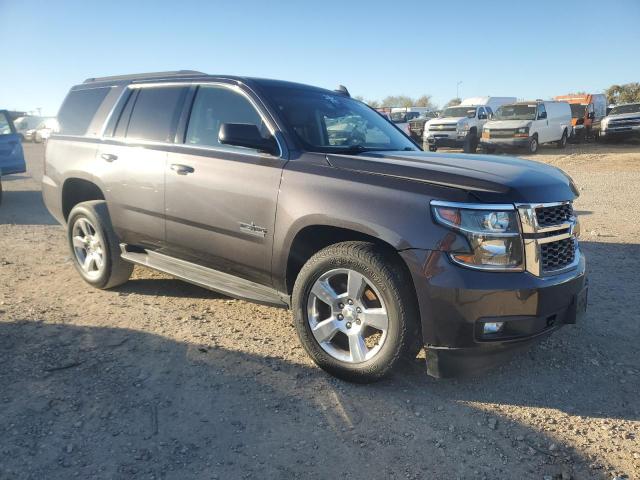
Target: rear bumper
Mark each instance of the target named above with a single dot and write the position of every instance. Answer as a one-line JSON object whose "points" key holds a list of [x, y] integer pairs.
{"points": [[455, 302]]}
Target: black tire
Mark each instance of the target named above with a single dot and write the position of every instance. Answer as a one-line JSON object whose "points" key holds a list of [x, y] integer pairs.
{"points": [[489, 150], [470, 143], [433, 148], [115, 271], [563, 141], [385, 271], [532, 146]]}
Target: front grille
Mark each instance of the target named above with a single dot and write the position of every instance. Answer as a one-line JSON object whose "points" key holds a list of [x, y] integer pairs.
{"points": [[554, 215], [557, 255], [443, 128], [502, 133], [624, 122]]}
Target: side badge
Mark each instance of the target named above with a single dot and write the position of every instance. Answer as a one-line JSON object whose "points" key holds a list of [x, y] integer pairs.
{"points": [[253, 229]]}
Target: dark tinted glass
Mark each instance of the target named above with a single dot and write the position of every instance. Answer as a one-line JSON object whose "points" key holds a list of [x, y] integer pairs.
{"points": [[123, 120], [78, 110], [156, 113], [214, 106]]}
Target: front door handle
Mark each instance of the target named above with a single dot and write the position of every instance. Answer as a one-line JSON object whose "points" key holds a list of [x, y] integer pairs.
{"points": [[109, 157], [182, 169]]}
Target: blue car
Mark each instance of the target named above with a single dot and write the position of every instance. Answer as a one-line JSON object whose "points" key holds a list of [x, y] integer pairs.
{"points": [[11, 153]]}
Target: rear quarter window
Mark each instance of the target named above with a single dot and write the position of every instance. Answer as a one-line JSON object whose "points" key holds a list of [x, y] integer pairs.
{"points": [[78, 110]]}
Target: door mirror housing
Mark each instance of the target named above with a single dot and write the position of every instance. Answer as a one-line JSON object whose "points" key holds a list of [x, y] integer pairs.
{"points": [[248, 136]]}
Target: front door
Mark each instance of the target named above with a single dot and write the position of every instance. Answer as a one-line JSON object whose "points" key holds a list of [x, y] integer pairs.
{"points": [[544, 134], [11, 154], [221, 200]]}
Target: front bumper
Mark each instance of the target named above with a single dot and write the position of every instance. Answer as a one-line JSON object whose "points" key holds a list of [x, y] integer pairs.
{"points": [[509, 142], [455, 301], [449, 139]]}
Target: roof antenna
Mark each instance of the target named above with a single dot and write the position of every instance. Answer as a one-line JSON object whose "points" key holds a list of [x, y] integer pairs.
{"points": [[343, 91]]}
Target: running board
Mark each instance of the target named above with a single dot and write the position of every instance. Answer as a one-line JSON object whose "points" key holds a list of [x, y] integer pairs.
{"points": [[206, 277]]}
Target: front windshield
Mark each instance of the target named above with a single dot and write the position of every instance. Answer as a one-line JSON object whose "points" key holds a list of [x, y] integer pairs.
{"points": [[327, 122], [516, 112], [577, 110], [459, 112], [631, 108]]}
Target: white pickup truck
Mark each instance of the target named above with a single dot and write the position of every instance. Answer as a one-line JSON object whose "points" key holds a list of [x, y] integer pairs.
{"points": [[461, 126]]}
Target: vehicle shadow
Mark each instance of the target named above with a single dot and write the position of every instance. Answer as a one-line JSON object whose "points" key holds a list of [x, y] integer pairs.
{"points": [[117, 403], [24, 207], [167, 287]]}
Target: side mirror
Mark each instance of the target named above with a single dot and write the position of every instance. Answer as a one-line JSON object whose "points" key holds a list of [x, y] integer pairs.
{"points": [[542, 115], [482, 116], [248, 136]]}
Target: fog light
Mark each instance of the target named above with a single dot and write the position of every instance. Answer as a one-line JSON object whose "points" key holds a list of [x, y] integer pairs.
{"points": [[492, 327]]}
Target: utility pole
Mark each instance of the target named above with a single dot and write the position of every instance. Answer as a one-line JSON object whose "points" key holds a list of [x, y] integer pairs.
{"points": [[458, 89]]}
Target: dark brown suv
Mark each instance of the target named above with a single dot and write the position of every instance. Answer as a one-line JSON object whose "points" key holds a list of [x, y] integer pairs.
{"points": [[301, 197]]}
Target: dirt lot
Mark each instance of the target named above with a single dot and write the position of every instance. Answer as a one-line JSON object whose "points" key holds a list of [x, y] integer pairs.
{"points": [[159, 379]]}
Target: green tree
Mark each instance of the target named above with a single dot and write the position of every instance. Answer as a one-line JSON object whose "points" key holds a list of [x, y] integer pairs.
{"points": [[627, 93], [453, 102], [397, 101], [424, 101]]}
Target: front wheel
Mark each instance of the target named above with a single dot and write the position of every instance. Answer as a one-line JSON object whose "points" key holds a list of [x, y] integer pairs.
{"points": [[533, 144], [433, 148], [355, 311], [95, 246], [470, 143]]}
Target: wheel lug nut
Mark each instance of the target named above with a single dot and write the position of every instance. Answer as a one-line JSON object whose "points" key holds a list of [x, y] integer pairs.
{"points": [[340, 316], [359, 310], [350, 302], [341, 305], [348, 324], [358, 321]]}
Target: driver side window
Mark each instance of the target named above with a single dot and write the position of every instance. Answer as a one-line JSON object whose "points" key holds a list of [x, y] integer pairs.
{"points": [[542, 112]]}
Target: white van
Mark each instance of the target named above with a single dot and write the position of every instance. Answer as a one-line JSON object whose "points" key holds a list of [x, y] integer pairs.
{"points": [[528, 124]]}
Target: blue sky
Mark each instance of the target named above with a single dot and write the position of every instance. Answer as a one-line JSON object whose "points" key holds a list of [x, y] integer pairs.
{"points": [[376, 48]]}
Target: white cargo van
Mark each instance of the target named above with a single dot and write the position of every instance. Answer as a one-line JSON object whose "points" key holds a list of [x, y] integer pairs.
{"points": [[461, 126], [528, 124]]}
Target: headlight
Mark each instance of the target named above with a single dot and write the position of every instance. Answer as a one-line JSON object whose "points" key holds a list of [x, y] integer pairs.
{"points": [[521, 132], [493, 233]]}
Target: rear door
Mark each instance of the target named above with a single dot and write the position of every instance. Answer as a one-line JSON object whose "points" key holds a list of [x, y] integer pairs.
{"points": [[221, 199], [131, 164], [11, 154]]}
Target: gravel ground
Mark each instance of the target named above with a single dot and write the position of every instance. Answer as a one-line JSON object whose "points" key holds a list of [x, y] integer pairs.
{"points": [[160, 379]]}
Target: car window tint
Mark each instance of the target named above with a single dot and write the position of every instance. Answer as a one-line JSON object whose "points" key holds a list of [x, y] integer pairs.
{"points": [[155, 113], [214, 106], [78, 110], [5, 126], [541, 109], [123, 120]]}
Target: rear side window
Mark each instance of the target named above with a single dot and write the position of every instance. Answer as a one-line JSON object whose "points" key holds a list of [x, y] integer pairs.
{"points": [[155, 113], [5, 125], [78, 110]]}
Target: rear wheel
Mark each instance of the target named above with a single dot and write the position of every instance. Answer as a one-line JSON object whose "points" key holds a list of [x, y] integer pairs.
{"points": [[355, 311], [532, 147], [95, 246], [563, 141]]}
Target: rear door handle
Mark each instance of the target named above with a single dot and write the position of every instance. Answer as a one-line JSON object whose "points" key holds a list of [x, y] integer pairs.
{"points": [[181, 169], [109, 157]]}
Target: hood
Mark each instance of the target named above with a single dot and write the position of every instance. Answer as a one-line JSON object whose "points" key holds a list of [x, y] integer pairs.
{"points": [[507, 124], [622, 116], [491, 179]]}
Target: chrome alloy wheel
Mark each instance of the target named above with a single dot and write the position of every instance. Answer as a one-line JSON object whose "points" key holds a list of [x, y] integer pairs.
{"points": [[347, 315], [88, 248]]}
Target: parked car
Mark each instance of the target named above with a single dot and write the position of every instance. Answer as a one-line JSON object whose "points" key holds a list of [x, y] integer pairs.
{"points": [[587, 111], [236, 184], [460, 126], [622, 122], [44, 129], [11, 154], [528, 125], [402, 118], [26, 126], [416, 126]]}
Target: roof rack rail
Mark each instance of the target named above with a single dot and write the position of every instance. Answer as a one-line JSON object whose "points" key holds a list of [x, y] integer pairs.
{"points": [[139, 76]]}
